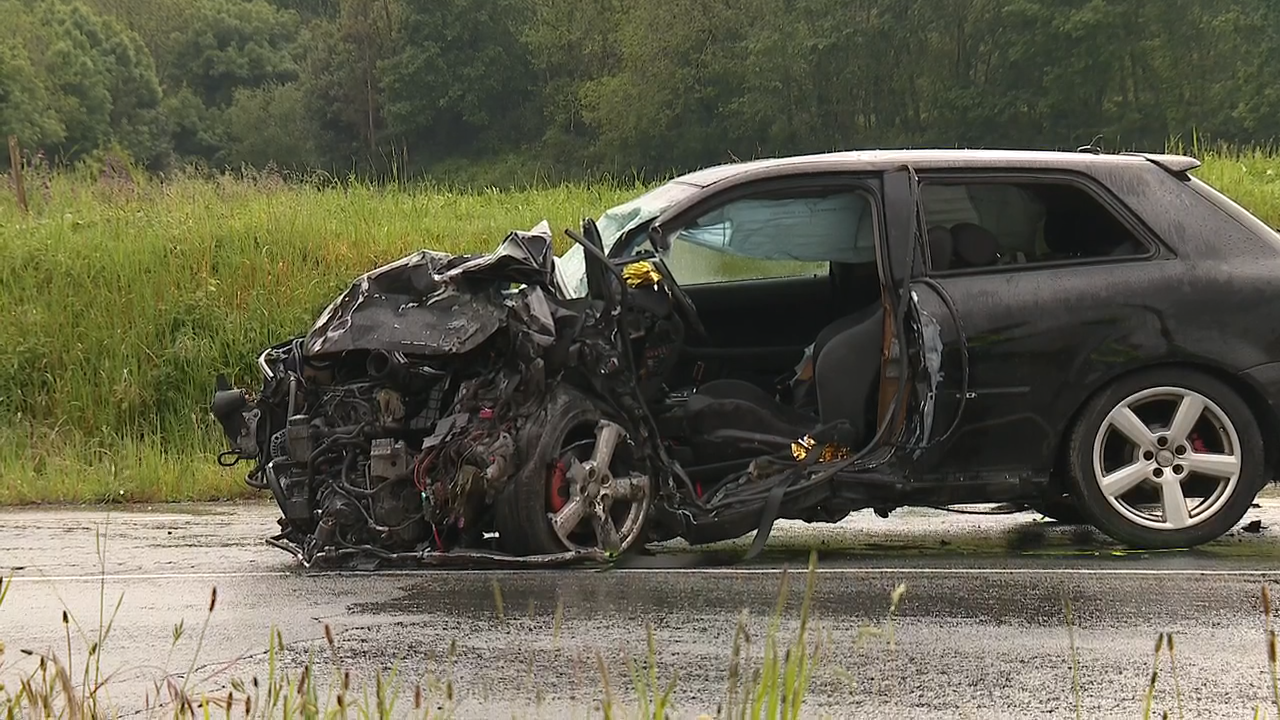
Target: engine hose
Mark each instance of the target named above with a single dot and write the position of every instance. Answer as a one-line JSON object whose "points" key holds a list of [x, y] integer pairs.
{"points": [[342, 487], [344, 483], [273, 483], [325, 449]]}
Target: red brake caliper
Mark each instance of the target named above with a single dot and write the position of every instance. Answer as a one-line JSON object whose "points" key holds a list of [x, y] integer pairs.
{"points": [[558, 495], [1197, 444]]}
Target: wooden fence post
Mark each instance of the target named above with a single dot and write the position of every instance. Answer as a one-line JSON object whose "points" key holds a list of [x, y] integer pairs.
{"points": [[15, 169]]}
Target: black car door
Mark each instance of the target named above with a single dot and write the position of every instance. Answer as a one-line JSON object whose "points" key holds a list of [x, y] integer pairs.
{"points": [[901, 259], [1038, 321]]}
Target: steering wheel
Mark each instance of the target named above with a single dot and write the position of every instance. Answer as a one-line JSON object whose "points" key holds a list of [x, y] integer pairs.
{"points": [[682, 300], [598, 266]]}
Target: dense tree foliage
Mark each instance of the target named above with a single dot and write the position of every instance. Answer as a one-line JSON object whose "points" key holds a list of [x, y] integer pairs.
{"points": [[654, 84]]}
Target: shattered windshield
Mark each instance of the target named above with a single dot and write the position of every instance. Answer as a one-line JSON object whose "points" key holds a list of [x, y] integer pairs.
{"points": [[613, 224]]}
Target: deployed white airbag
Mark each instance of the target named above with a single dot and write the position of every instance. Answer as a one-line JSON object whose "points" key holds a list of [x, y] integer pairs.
{"points": [[816, 229]]}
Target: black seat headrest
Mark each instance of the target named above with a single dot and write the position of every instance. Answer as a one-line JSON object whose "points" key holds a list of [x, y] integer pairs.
{"points": [[975, 246]]}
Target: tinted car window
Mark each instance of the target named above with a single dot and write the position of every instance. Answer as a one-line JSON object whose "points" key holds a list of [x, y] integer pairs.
{"points": [[997, 223]]}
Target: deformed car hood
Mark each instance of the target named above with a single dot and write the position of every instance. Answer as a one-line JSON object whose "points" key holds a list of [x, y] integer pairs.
{"points": [[432, 303]]}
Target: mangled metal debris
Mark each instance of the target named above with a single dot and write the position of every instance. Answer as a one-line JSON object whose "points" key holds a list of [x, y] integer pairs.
{"points": [[459, 410]]}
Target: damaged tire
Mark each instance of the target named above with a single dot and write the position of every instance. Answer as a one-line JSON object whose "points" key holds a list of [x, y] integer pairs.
{"points": [[577, 489]]}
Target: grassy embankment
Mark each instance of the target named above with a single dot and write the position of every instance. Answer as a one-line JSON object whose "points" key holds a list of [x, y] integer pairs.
{"points": [[120, 301]]}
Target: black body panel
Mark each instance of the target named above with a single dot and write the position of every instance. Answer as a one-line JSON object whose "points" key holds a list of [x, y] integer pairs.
{"points": [[1043, 338]]}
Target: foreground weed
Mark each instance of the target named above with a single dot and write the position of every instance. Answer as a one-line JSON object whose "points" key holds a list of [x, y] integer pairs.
{"points": [[1150, 695], [1177, 682], [645, 681], [1271, 647], [1075, 657], [777, 689]]}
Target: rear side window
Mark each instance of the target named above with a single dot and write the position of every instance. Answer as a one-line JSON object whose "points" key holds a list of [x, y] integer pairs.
{"points": [[989, 224], [764, 237]]}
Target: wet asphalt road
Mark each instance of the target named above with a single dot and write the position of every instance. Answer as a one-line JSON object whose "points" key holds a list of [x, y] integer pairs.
{"points": [[980, 631]]}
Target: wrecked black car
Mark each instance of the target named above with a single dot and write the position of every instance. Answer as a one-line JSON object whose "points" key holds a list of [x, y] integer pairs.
{"points": [[1084, 334]]}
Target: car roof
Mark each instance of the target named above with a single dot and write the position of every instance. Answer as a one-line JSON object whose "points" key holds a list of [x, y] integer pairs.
{"points": [[930, 159]]}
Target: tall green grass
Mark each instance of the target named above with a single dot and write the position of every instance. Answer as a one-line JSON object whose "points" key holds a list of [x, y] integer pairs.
{"points": [[122, 297], [121, 300]]}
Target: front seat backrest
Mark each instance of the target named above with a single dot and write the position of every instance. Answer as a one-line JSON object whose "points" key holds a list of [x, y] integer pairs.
{"points": [[847, 370]]}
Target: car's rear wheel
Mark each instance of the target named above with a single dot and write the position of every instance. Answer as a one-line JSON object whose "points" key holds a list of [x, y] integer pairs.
{"points": [[1165, 458], [578, 489]]}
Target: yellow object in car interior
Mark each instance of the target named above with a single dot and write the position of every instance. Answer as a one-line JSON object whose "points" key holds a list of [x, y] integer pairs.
{"points": [[641, 274], [801, 448]]}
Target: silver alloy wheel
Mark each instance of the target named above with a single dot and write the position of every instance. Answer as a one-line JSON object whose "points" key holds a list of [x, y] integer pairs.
{"points": [[1139, 448], [595, 506]]}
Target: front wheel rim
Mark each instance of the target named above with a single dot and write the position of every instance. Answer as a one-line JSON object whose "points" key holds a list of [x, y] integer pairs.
{"points": [[1171, 445], [604, 505]]}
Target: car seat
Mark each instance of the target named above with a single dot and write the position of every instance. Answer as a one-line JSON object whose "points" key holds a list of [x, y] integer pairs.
{"points": [[846, 371]]}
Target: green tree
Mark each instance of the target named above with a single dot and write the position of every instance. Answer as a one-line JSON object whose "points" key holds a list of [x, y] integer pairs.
{"points": [[232, 44], [459, 79], [24, 102], [566, 54], [269, 125], [342, 79], [159, 23], [619, 84], [102, 83]]}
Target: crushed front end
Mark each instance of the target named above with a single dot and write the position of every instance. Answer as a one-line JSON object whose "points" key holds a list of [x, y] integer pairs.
{"points": [[391, 432]]}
